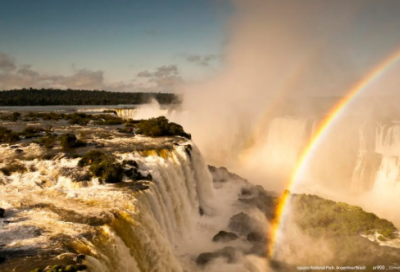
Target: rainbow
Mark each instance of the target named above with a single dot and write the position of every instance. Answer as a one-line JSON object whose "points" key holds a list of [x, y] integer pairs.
{"points": [[313, 143]]}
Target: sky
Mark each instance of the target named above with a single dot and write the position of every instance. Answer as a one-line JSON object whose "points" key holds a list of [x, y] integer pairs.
{"points": [[111, 41], [155, 45]]}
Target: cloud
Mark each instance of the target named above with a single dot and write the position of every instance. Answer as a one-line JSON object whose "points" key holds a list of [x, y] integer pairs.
{"points": [[162, 71], [165, 77], [7, 64], [26, 70], [144, 74], [201, 60], [12, 76], [166, 71], [168, 82]]}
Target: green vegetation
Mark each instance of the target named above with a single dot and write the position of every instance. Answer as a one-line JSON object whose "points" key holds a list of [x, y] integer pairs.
{"points": [[81, 119], [15, 116], [318, 216], [61, 268], [69, 141], [107, 119], [8, 136], [156, 127], [48, 142], [44, 97], [45, 115], [103, 166], [31, 132]]}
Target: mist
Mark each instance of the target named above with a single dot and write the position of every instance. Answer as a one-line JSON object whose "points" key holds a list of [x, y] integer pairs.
{"points": [[278, 52], [285, 65]]}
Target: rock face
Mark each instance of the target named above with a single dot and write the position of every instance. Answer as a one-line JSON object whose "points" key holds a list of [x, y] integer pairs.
{"points": [[224, 236], [255, 236], [259, 198], [228, 253], [2, 211], [222, 174], [259, 249], [243, 224]]}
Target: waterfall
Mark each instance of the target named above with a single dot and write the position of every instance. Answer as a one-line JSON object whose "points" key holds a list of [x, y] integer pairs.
{"points": [[349, 158], [117, 227], [388, 146], [153, 109], [126, 113]]}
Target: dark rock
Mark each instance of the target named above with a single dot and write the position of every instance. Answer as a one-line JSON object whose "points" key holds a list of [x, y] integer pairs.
{"points": [[222, 175], [255, 236], [81, 267], [130, 162], [246, 192], [257, 197], [2, 212], [2, 259], [78, 259], [129, 173], [143, 187], [224, 236], [19, 151], [243, 224], [14, 146], [205, 258], [201, 211], [188, 150], [228, 253], [260, 249]]}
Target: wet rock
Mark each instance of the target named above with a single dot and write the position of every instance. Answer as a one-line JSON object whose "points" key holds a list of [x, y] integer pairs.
{"points": [[222, 175], [259, 198], [78, 259], [130, 163], [260, 249], [19, 151], [205, 258], [201, 211], [81, 267], [228, 253], [246, 192], [224, 236], [255, 236], [188, 150], [2, 212], [243, 224], [2, 259]]}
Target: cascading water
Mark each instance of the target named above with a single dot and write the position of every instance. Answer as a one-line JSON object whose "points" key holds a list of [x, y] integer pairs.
{"points": [[118, 228], [388, 146], [350, 157], [146, 111]]}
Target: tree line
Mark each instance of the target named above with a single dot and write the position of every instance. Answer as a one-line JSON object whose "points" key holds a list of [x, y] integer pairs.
{"points": [[49, 97]]}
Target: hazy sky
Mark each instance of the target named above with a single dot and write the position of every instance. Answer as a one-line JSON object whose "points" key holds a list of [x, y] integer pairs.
{"points": [[119, 38], [131, 45]]}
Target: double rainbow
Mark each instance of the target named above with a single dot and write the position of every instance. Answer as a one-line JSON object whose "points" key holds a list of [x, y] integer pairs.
{"points": [[313, 143]]}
